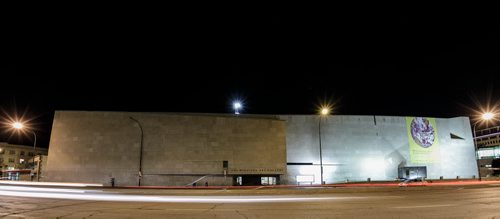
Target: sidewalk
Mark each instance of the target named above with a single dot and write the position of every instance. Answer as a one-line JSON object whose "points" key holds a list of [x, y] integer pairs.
{"points": [[359, 184], [424, 183], [354, 184]]}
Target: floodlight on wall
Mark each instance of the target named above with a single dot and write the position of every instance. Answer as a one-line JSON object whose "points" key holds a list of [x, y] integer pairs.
{"points": [[237, 106]]}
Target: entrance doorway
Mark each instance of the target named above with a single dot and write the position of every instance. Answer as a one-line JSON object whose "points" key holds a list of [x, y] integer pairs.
{"points": [[415, 172], [256, 180]]}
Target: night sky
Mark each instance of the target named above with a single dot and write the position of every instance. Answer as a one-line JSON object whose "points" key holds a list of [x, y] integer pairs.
{"points": [[426, 64]]}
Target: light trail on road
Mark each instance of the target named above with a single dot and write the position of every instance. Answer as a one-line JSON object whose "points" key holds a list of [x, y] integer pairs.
{"points": [[65, 184], [99, 195]]}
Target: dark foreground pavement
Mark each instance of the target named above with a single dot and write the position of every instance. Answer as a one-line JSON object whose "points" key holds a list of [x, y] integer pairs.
{"points": [[451, 201]]}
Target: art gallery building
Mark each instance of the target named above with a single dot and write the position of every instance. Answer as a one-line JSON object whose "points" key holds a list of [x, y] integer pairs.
{"points": [[221, 149]]}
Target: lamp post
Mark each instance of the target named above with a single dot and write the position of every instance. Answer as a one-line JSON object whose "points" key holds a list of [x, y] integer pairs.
{"points": [[476, 150], [484, 117], [324, 112], [140, 153], [20, 126]]}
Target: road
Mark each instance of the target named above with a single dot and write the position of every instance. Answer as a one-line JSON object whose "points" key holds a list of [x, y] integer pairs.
{"points": [[480, 201]]}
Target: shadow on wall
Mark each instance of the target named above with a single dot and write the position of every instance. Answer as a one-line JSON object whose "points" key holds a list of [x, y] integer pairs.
{"points": [[395, 160]]}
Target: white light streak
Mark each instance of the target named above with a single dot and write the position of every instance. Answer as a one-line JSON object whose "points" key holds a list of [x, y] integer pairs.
{"points": [[7, 182], [36, 189], [76, 194]]}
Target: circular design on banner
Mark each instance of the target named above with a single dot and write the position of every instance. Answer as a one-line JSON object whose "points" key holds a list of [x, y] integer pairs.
{"points": [[422, 132]]}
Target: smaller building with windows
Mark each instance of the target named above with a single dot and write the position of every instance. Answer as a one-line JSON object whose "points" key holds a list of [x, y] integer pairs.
{"points": [[17, 160], [488, 152]]}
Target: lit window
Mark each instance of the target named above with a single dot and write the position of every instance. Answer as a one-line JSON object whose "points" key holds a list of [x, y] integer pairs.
{"points": [[268, 180]]}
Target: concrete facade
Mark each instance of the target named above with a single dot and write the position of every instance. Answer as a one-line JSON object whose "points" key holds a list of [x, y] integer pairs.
{"points": [[179, 149], [356, 148]]}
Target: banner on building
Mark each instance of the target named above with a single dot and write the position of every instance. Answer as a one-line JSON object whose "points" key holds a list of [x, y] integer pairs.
{"points": [[423, 140]]}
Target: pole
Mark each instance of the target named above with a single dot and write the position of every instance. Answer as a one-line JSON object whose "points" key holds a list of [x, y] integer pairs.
{"points": [[38, 169], [34, 146], [140, 153], [225, 177], [34, 155], [476, 150], [320, 151]]}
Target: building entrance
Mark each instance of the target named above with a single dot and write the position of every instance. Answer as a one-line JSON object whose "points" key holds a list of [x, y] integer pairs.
{"points": [[256, 180], [415, 172]]}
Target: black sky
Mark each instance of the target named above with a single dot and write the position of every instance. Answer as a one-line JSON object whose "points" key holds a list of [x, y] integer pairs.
{"points": [[425, 64]]}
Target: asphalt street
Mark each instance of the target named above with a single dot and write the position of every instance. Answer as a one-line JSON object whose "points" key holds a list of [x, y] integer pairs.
{"points": [[477, 201]]}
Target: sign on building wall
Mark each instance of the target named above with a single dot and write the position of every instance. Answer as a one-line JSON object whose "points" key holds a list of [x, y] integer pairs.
{"points": [[305, 178], [423, 140], [257, 170]]}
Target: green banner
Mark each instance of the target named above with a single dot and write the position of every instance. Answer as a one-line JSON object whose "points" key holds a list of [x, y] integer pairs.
{"points": [[423, 139]]}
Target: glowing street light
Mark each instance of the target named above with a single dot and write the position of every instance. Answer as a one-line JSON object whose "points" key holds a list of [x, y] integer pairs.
{"points": [[323, 113], [484, 118], [237, 106], [20, 126], [17, 125], [487, 116]]}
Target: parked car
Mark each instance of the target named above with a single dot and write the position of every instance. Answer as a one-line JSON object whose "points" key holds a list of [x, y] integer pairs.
{"points": [[414, 179]]}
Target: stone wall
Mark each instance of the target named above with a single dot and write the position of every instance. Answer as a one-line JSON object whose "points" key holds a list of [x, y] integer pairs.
{"points": [[177, 148]]}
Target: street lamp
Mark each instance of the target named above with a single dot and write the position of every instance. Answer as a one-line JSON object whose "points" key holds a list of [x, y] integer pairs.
{"points": [[324, 112], [140, 153], [484, 117], [20, 126], [487, 116]]}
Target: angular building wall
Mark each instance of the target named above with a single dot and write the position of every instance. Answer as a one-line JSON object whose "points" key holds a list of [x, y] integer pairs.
{"points": [[355, 148], [178, 149]]}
